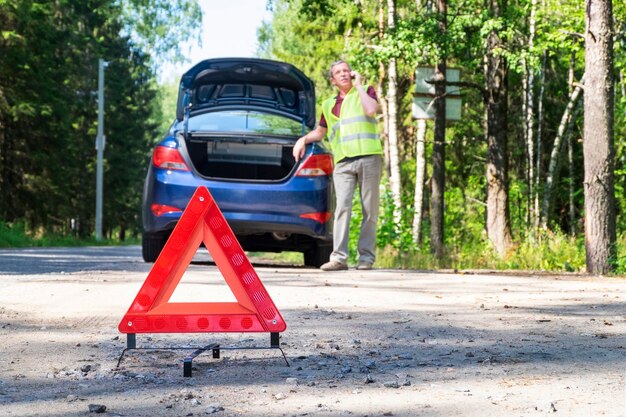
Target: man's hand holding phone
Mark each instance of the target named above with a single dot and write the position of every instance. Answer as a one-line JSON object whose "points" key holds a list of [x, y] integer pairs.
{"points": [[356, 78]]}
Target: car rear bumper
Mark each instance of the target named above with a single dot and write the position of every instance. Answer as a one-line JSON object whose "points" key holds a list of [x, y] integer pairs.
{"points": [[249, 208]]}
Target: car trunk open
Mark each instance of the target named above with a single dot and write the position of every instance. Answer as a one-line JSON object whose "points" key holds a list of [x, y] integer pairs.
{"points": [[241, 157]]}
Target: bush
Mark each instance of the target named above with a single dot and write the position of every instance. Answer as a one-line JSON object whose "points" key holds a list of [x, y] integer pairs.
{"points": [[17, 235], [12, 236]]}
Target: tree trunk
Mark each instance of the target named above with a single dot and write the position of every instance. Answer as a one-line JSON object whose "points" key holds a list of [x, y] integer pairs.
{"points": [[570, 155], [554, 156], [524, 109], [420, 174], [598, 149], [392, 104], [3, 155], [380, 90], [498, 220], [570, 185], [530, 111], [539, 137], [437, 184]]}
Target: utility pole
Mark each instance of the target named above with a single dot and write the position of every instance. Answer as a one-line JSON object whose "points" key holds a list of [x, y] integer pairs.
{"points": [[100, 148]]}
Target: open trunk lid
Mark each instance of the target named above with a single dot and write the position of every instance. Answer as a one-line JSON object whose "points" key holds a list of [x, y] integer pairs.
{"points": [[248, 83]]}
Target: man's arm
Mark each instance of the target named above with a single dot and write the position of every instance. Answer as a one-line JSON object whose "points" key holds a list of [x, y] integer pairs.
{"points": [[314, 135], [370, 105]]}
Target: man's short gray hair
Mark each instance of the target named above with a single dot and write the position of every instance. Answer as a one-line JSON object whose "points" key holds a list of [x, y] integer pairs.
{"points": [[334, 64]]}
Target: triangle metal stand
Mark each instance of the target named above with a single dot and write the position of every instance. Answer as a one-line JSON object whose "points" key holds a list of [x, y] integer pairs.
{"points": [[215, 348]]}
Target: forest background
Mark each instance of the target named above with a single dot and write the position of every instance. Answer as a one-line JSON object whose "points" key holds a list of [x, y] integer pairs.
{"points": [[504, 187]]}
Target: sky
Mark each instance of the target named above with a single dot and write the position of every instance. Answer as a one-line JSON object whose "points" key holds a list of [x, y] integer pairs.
{"points": [[228, 30]]}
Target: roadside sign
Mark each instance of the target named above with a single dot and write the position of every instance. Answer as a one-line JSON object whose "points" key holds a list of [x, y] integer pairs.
{"points": [[422, 107]]}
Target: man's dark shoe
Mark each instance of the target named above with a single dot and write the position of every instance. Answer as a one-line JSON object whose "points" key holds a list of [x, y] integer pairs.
{"points": [[364, 266], [334, 266]]}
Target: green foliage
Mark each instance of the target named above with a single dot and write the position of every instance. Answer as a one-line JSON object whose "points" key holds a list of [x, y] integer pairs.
{"points": [[309, 41], [621, 254], [311, 34], [13, 236], [48, 111], [421, 259], [168, 95], [393, 234], [19, 235], [355, 227], [547, 252], [554, 253], [286, 258], [159, 27]]}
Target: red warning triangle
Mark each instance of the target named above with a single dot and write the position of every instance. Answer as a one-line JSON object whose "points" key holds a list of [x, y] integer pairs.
{"points": [[151, 311]]}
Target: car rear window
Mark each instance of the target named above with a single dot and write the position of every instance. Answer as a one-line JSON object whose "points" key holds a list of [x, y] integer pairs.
{"points": [[244, 121]]}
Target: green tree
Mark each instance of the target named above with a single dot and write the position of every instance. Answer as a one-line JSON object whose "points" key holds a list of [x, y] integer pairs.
{"points": [[48, 84], [159, 27]]}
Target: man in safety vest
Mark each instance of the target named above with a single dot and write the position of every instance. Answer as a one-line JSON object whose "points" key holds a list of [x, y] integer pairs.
{"points": [[349, 121]]}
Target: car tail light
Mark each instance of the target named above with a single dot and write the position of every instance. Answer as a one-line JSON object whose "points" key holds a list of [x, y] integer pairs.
{"points": [[315, 166], [168, 158], [321, 217], [160, 209]]}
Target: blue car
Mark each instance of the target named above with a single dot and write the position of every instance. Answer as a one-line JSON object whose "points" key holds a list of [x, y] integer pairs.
{"points": [[237, 120]]}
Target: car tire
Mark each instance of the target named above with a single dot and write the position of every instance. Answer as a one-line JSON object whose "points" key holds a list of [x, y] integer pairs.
{"points": [[151, 246], [317, 256]]}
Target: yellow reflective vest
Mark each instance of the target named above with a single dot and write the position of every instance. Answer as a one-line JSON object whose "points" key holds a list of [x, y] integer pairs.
{"points": [[353, 133]]}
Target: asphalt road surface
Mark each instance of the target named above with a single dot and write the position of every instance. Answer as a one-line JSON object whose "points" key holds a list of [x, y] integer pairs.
{"points": [[34, 261], [359, 343]]}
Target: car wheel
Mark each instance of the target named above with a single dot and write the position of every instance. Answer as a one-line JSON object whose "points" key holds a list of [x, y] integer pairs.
{"points": [[151, 246], [317, 256]]}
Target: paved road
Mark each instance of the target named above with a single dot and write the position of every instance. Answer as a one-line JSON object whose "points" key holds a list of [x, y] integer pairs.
{"points": [[362, 343], [30, 261], [69, 260]]}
